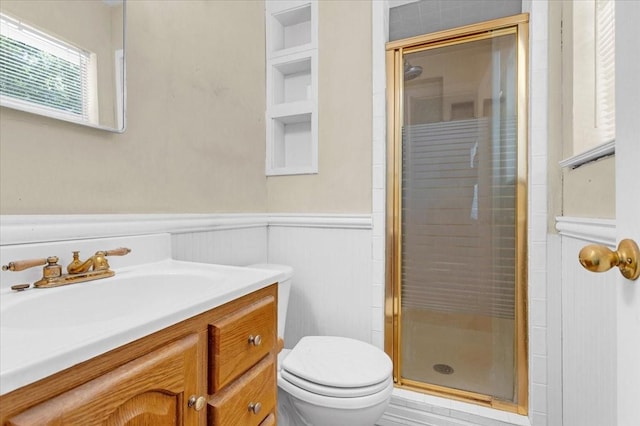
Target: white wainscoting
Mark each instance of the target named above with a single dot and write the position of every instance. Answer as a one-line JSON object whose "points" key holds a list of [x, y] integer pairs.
{"points": [[332, 289], [330, 254], [588, 327], [239, 247]]}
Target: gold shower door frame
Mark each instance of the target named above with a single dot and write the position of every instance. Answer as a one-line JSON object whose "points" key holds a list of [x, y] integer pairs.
{"points": [[395, 51]]}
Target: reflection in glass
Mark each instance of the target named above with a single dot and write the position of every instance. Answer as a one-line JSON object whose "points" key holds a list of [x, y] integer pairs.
{"points": [[38, 68], [64, 59]]}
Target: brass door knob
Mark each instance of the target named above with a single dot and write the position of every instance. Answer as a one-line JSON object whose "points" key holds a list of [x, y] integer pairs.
{"points": [[597, 258]]}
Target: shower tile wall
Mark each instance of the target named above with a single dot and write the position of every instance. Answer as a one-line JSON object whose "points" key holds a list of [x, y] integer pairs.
{"points": [[428, 16], [380, 30]]}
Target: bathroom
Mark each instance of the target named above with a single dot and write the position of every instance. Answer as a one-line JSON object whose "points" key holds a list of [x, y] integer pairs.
{"points": [[191, 162]]}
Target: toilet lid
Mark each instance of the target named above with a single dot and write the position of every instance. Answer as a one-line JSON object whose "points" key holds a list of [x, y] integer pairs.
{"points": [[334, 391], [337, 362]]}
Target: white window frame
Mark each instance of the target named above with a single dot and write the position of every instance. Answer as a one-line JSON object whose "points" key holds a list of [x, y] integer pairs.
{"points": [[589, 26]]}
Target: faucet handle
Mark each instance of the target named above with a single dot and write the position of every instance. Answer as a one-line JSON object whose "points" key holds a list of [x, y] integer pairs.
{"points": [[49, 273], [21, 265], [117, 252]]}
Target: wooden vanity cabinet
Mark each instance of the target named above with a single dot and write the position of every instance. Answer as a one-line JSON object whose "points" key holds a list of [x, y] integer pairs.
{"points": [[145, 391], [151, 381], [269, 421]]}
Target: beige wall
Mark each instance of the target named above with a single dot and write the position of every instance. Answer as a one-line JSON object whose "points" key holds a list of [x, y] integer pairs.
{"points": [[343, 184], [195, 138], [587, 190]]}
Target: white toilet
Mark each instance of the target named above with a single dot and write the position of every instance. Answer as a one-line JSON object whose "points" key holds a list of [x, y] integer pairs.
{"points": [[328, 380]]}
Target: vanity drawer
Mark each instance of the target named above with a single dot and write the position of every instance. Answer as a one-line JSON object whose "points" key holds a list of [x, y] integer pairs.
{"points": [[232, 406], [240, 340]]}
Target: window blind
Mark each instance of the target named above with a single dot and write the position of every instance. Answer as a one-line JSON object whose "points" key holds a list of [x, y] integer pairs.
{"points": [[605, 69], [39, 71]]}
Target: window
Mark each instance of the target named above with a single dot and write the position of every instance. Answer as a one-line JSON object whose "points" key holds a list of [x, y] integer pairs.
{"points": [[605, 70], [51, 74], [589, 57]]}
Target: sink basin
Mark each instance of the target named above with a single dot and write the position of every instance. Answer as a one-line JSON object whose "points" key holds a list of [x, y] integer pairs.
{"points": [[44, 331], [83, 304]]}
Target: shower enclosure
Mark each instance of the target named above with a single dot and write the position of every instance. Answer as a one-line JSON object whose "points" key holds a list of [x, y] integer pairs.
{"points": [[456, 213]]}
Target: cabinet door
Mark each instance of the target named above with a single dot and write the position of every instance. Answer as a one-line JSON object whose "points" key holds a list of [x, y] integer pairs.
{"points": [[151, 390]]}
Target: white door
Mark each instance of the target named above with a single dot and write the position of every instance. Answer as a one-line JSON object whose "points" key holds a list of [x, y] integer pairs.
{"points": [[628, 207], [601, 312]]}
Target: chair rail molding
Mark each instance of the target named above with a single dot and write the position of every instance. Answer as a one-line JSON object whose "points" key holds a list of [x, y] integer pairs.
{"points": [[351, 221], [24, 229], [600, 231]]}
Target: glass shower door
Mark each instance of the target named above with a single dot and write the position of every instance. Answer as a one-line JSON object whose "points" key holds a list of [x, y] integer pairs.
{"points": [[460, 216]]}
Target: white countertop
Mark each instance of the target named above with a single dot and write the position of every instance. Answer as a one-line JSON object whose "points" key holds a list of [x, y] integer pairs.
{"points": [[43, 331]]}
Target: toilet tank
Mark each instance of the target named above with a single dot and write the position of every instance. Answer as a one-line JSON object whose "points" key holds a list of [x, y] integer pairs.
{"points": [[284, 288]]}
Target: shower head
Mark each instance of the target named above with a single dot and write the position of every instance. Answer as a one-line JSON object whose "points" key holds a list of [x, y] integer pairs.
{"points": [[411, 71]]}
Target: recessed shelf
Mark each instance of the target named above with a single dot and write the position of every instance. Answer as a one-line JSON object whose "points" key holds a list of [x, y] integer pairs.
{"points": [[291, 109], [292, 81], [291, 28], [293, 147]]}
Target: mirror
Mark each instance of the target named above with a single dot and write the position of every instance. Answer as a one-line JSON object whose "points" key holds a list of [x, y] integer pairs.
{"points": [[64, 59]]}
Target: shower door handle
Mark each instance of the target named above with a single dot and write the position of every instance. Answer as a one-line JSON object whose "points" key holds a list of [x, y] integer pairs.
{"points": [[598, 258]]}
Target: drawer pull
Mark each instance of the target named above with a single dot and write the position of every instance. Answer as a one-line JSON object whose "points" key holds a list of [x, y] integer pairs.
{"points": [[196, 403], [255, 407], [255, 340]]}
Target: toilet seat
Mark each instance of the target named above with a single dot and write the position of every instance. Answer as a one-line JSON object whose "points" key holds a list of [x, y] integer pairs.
{"points": [[337, 367], [354, 403]]}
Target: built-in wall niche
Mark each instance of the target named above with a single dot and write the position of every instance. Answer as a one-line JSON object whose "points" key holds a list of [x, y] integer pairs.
{"points": [[289, 26], [292, 87], [294, 149], [292, 81]]}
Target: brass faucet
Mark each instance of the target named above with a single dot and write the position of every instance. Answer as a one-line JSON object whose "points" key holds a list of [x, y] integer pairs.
{"points": [[97, 262], [94, 268]]}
